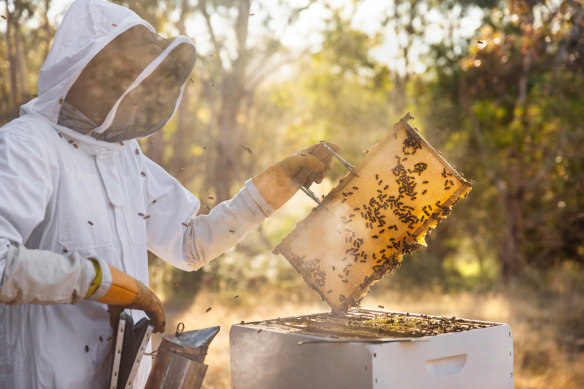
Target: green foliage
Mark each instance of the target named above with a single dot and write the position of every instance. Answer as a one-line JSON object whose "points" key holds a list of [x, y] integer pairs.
{"points": [[504, 105]]}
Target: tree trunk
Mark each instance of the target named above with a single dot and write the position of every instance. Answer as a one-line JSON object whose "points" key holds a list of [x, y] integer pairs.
{"points": [[21, 66], [11, 64], [229, 139]]}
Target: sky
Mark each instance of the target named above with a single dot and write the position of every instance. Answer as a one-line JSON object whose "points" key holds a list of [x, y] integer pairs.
{"points": [[305, 32]]}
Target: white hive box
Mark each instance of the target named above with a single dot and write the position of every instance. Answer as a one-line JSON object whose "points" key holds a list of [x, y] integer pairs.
{"points": [[264, 355]]}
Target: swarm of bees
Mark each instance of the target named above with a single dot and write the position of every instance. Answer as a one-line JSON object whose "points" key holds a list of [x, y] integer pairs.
{"points": [[363, 323], [370, 219]]}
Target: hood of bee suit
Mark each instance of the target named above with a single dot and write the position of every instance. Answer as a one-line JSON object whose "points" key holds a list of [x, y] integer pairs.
{"points": [[109, 76]]}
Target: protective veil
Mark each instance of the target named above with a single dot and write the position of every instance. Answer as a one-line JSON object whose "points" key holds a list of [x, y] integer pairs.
{"points": [[74, 185]]}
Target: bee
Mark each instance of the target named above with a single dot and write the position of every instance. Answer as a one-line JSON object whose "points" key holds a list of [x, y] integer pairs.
{"points": [[65, 251], [207, 310], [140, 214], [185, 224], [90, 222], [86, 348], [232, 231], [143, 174], [154, 201], [147, 217], [137, 152], [236, 296]]}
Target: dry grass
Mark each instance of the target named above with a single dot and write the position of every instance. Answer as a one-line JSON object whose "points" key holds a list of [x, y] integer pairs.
{"points": [[546, 354]]}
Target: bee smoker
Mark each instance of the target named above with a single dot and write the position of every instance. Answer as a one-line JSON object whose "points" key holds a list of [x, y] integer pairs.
{"points": [[180, 357]]}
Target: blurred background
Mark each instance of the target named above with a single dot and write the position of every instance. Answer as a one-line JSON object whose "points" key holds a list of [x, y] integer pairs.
{"points": [[496, 86]]}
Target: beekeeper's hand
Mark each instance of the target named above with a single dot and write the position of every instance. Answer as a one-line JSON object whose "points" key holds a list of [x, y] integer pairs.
{"points": [[119, 290], [278, 183]]}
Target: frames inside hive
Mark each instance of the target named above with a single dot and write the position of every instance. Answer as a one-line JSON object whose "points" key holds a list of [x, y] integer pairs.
{"points": [[359, 233]]}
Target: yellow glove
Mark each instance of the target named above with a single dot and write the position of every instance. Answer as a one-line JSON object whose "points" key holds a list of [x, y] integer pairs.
{"points": [[119, 290], [278, 183]]}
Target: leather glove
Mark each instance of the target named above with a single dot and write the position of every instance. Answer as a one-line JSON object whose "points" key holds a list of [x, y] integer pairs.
{"points": [[120, 291], [278, 183]]}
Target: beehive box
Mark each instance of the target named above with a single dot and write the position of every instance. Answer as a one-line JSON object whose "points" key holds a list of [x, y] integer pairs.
{"points": [[373, 216], [294, 353]]}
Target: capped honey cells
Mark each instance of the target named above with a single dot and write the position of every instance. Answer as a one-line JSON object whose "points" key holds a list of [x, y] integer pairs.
{"points": [[377, 213]]}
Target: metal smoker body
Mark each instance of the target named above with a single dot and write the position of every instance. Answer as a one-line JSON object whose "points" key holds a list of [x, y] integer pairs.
{"points": [[179, 360]]}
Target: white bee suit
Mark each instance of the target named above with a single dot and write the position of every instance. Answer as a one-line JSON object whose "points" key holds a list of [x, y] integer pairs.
{"points": [[66, 196]]}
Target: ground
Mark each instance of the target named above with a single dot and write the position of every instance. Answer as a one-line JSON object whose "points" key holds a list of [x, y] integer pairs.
{"points": [[548, 343]]}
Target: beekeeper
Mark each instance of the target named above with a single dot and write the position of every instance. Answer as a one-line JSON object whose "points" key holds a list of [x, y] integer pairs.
{"points": [[80, 205]]}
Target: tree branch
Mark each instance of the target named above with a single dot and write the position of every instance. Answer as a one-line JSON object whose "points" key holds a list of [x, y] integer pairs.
{"points": [[203, 8]]}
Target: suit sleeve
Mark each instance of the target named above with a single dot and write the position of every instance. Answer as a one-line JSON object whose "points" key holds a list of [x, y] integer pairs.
{"points": [[188, 241], [26, 185]]}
